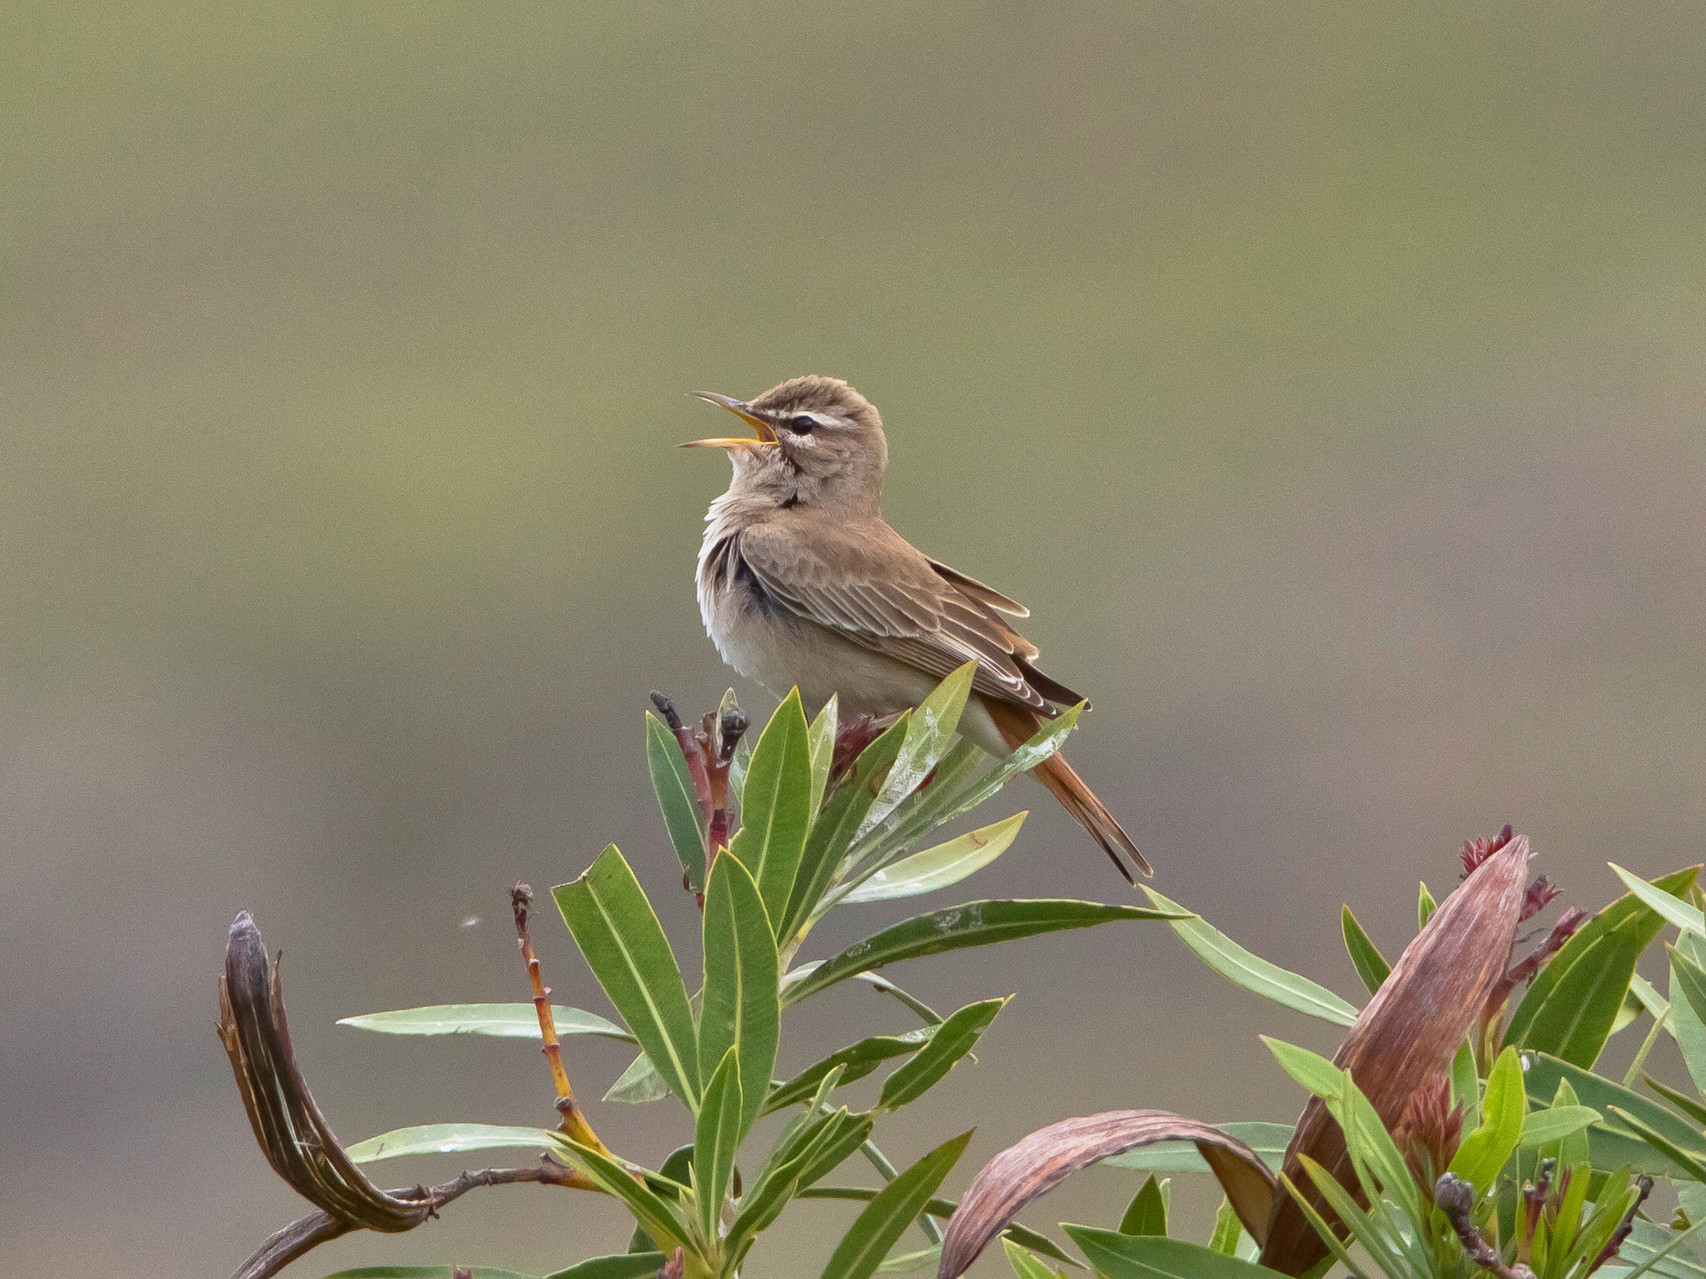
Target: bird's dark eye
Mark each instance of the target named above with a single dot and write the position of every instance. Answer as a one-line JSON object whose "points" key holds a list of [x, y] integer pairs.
{"points": [[803, 424]]}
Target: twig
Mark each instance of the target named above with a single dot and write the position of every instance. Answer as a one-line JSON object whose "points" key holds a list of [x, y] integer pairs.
{"points": [[574, 1123], [308, 1233], [1456, 1199]]}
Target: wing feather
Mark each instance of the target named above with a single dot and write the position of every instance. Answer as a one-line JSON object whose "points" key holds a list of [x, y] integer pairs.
{"points": [[870, 585]]}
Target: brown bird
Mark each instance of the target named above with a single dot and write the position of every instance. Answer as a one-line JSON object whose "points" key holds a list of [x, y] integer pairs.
{"points": [[802, 582]]}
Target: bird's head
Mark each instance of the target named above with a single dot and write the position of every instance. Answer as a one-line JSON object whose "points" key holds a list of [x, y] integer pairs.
{"points": [[817, 441]]}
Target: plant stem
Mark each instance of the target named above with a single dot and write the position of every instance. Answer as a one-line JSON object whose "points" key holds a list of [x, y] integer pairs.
{"points": [[574, 1124]]}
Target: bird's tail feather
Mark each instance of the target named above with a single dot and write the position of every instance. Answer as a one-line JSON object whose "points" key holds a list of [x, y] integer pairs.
{"points": [[1017, 725]]}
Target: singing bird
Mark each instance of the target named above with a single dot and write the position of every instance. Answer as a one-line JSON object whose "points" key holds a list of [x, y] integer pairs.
{"points": [[802, 582]]}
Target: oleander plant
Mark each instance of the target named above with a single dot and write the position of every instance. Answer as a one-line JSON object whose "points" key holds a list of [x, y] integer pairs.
{"points": [[773, 831], [1466, 1124]]}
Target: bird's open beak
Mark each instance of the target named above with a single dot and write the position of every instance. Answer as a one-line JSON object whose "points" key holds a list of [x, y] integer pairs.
{"points": [[739, 409]]}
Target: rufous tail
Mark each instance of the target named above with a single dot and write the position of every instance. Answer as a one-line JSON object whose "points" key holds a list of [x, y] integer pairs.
{"points": [[1017, 724]]}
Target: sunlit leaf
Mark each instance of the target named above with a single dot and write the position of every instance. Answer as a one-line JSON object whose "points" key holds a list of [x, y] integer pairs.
{"points": [[504, 1021], [678, 799], [821, 739], [1425, 907], [1227, 1231], [941, 866], [1503, 1108], [928, 734], [1026, 1266], [979, 923], [1252, 972], [1543, 1127], [443, 1139], [624, 945]]}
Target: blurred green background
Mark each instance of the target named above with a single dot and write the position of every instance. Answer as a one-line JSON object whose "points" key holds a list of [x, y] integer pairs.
{"points": [[1327, 377]]}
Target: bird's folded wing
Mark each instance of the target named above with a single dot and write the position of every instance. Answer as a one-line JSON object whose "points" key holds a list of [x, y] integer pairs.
{"points": [[880, 592]]}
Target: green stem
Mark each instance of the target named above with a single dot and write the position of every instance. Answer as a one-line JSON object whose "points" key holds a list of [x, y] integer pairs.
{"points": [[1652, 1038]]}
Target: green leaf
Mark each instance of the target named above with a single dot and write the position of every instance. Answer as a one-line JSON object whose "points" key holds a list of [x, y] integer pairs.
{"points": [[821, 739], [504, 1021], [1503, 1108], [424, 1272], [1555, 1123], [1145, 1257], [1466, 1086], [655, 1215], [624, 1265], [906, 1262], [1691, 1167], [887, 1216], [776, 811], [857, 1061], [1663, 904], [832, 833], [942, 1209], [1613, 1143], [624, 945], [1146, 1214], [444, 1139], [1318, 1075], [1425, 907], [638, 1084], [929, 732], [953, 1039], [1370, 964], [1026, 1266], [677, 797], [979, 923], [1688, 1013], [1227, 1229], [1267, 1140], [941, 866], [1570, 1006], [716, 1138], [1680, 1100], [1252, 972], [741, 980]]}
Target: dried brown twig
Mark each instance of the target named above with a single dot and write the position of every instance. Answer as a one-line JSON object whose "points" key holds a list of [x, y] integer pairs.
{"points": [[293, 1132]]}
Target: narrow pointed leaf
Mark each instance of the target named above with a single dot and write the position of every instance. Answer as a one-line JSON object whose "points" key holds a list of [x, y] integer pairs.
{"points": [[1503, 1108], [942, 1209], [979, 923], [1140, 1257], [741, 980], [502, 1021], [1226, 1231], [425, 1272], [656, 1215], [716, 1138], [1680, 1100], [776, 808], [1252, 972], [929, 732], [673, 785], [443, 1139], [1688, 1015], [1370, 964], [856, 1061], [1663, 904], [1146, 1214], [624, 1265], [902, 1263], [887, 1216], [821, 739], [1026, 1266], [832, 833], [952, 1040], [942, 866], [1570, 1007], [1614, 1144], [638, 1084], [624, 945], [1267, 1140], [1543, 1127], [1030, 1168], [1425, 907]]}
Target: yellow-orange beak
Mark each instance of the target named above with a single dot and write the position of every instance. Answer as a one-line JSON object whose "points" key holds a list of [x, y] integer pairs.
{"points": [[739, 409]]}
